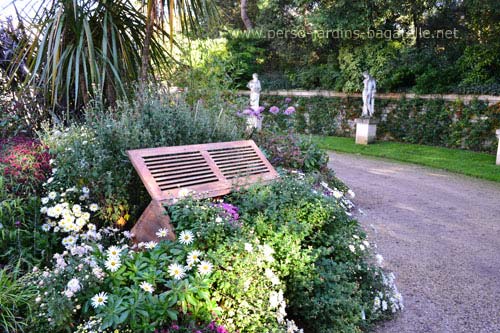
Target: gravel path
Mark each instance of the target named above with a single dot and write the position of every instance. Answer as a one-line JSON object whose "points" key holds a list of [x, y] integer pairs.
{"points": [[440, 234]]}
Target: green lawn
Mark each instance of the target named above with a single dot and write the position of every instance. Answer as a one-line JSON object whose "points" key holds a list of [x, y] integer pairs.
{"points": [[460, 161]]}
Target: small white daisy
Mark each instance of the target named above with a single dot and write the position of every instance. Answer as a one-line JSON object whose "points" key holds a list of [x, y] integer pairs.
{"points": [[93, 207], [162, 233], [193, 257], [177, 271], [186, 237], [205, 267], [112, 264], [85, 190], [45, 200], [113, 251], [150, 245], [46, 227], [147, 287], [99, 300]]}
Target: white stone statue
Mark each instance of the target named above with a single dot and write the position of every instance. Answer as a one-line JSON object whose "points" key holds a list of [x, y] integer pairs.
{"points": [[254, 86], [370, 87]]}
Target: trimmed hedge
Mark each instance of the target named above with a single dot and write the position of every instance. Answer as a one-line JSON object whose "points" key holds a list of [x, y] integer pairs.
{"points": [[430, 122]]}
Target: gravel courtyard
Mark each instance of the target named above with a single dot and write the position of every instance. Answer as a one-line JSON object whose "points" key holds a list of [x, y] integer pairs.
{"points": [[440, 234]]}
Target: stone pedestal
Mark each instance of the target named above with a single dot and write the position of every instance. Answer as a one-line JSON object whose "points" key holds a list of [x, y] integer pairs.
{"points": [[498, 151], [366, 130]]}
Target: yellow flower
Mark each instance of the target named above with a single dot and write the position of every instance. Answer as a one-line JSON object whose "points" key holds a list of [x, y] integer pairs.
{"points": [[121, 222]]}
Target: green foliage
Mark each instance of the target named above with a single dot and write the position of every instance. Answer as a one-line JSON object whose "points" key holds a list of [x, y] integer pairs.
{"points": [[21, 239], [296, 242], [94, 154], [431, 122], [92, 50], [16, 296]]}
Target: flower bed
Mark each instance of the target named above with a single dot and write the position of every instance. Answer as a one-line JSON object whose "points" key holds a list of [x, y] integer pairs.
{"points": [[261, 260]]}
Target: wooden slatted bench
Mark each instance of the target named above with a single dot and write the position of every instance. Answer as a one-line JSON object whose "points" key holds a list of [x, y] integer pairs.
{"points": [[208, 170]]}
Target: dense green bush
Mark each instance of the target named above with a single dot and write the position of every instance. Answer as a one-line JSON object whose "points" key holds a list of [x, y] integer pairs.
{"points": [[432, 122], [94, 153]]}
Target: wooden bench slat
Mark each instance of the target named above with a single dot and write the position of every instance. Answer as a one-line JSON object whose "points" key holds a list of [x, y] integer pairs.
{"points": [[205, 168]]}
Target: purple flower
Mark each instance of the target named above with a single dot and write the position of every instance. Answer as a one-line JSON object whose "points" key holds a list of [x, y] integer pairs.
{"points": [[175, 327], [211, 326], [17, 224], [248, 112], [288, 100], [289, 111], [274, 110], [261, 109], [221, 329]]}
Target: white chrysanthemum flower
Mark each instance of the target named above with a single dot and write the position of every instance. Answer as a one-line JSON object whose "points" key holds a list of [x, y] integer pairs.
{"points": [[186, 237], [112, 264], [193, 257], [150, 245], [361, 247], [384, 306], [46, 227], [99, 300], [162, 233], [43, 210], [176, 271], [50, 180], [45, 200], [218, 219], [80, 222], [77, 209], [352, 248], [205, 267], [69, 241], [74, 285], [147, 287], [93, 207], [51, 212], [86, 216], [85, 190], [113, 251]]}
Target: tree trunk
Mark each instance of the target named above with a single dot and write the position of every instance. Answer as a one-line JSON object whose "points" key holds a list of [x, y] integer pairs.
{"points": [[150, 21], [244, 15]]}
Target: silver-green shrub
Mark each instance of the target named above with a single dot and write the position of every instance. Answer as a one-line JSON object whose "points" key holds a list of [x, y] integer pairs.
{"points": [[93, 153]]}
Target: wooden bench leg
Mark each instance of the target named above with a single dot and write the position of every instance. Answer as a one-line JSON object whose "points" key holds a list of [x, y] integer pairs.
{"points": [[151, 220]]}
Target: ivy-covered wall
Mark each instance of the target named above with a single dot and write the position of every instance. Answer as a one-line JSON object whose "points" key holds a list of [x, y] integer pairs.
{"points": [[435, 122]]}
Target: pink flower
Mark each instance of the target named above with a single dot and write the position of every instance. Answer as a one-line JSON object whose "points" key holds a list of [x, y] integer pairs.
{"points": [[274, 110], [289, 111], [288, 100]]}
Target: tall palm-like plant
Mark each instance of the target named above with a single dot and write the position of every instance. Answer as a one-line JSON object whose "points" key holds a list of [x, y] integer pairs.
{"points": [[86, 49]]}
